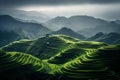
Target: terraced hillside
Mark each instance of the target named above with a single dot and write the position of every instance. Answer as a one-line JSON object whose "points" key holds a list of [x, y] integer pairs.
{"points": [[44, 47], [21, 66], [86, 67], [63, 58]]}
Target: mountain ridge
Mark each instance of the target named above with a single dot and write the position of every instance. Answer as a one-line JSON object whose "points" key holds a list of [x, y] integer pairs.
{"points": [[10, 23], [69, 32], [78, 21], [83, 24], [110, 38]]}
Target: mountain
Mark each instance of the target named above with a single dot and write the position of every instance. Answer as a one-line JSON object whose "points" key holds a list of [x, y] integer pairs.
{"points": [[96, 36], [29, 16], [110, 38], [69, 32], [27, 29], [105, 28], [73, 60], [84, 25], [76, 23], [117, 21]]}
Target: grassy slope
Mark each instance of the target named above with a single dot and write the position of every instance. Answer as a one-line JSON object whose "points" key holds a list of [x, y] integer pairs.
{"points": [[75, 59], [50, 45], [16, 65], [95, 64]]}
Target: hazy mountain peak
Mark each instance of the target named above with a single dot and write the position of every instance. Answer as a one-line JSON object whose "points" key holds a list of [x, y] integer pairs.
{"points": [[99, 34], [61, 17], [76, 23], [117, 21], [81, 16], [6, 17], [26, 15], [69, 32], [66, 29], [110, 38], [114, 34], [33, 30]]}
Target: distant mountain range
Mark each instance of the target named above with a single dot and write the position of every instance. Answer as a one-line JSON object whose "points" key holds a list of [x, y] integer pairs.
{"points": [[117, 21], [85, 25], [75, 22], [110, 38], [10, 26], [69, 32], [30, 30], [105, 28], [29, 16]]}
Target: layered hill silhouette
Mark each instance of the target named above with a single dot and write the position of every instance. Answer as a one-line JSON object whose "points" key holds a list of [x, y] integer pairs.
{"points": [[69, 32], [110, 38], [12, 29], [74, 22], [59, 57], [117, 21], [83, 24], [27, 29], [109, 27], [29, 16]]}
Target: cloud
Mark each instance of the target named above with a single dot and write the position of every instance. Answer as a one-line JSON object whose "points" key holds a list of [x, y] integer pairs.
{"points": [[108, 9], [17, 3], [112, 14]]}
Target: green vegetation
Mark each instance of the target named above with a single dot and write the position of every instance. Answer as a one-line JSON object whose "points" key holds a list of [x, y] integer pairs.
{"points": [[15, 65], [7, 37], [66, 56], [43, 48], [59, 57], [87, 66], [18, 46]]}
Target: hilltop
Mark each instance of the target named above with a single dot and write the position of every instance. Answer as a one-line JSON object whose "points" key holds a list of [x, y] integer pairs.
{"points": [[48, 46], [69, 32]]}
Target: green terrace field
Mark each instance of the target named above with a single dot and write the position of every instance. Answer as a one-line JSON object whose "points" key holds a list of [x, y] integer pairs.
{"points": [[59, 57]]}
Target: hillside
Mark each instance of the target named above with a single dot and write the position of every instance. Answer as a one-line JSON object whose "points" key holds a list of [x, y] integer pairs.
{"points": [[39, 47], [69, 32], [61, 58], [110, 38], [7, 37], [93, 64], [27, 29], [21, 66], [108, 27]]}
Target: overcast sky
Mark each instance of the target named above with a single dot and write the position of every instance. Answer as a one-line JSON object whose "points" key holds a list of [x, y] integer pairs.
{"points": [[108, 9]]}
